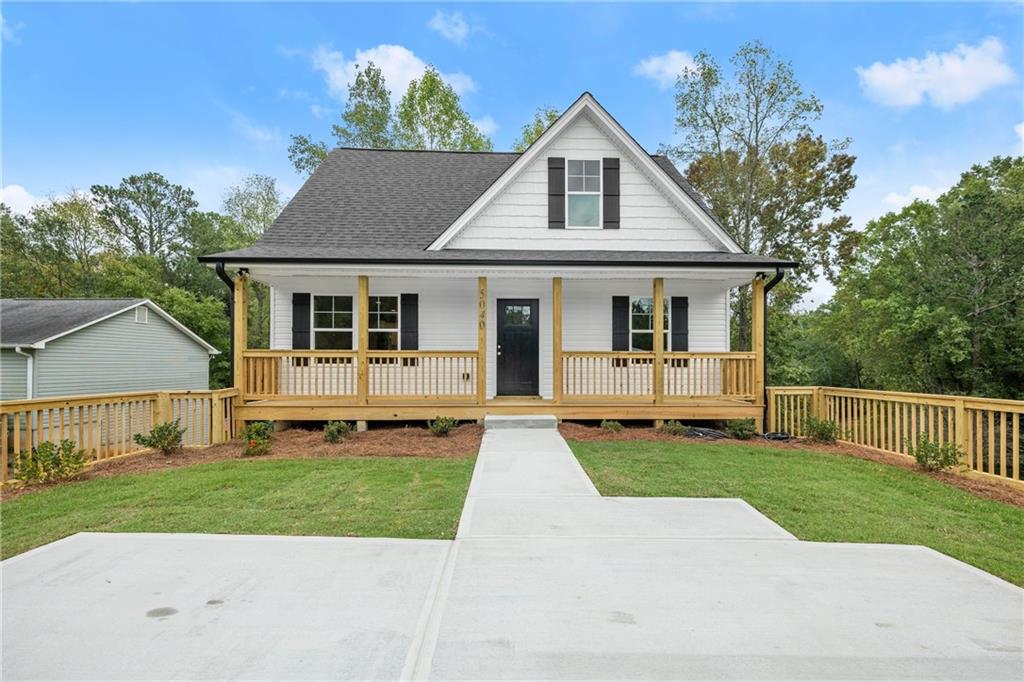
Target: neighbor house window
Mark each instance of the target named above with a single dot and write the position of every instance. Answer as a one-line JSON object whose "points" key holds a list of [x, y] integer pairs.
{"points": [[142, 314], [641, 324], [332, 322], [383, 327], [583, 193]]}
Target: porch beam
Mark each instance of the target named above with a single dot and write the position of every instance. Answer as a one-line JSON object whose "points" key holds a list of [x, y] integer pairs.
{"points": [[556, 339], [659, 339], [757, 336], [241, 331], [481, 340], [363, 292]]}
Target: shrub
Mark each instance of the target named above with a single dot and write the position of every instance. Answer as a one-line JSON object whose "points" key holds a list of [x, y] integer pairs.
{"points": [[932, 455], [741, 429], [256, 447], [675, 428], [442, 426], [611, 425], [165, 437], [335, 432], [820, 430], [49, 462], [259, 430]]}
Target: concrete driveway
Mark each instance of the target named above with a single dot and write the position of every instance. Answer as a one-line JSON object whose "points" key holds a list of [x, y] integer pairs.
{"points": [[546, 580]]}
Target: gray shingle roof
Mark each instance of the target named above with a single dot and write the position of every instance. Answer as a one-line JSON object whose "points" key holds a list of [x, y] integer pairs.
{"points": [[24, 321], [390, 205]]}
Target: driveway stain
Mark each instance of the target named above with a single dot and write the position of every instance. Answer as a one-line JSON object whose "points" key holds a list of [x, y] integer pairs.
{"points": [[161, 613], [622, 617]]}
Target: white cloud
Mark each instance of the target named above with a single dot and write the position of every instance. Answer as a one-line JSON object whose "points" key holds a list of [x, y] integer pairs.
{"points": [[8, 31], [319, 111], [251, 131], [1019, 129], [923, 192], [451, 26], [399, 65], [19, 199], [486, 125], [946, 79], [663, 69], [211, 182]]}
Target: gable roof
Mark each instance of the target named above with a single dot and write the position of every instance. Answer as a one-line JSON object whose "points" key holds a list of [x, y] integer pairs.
{"points": [[33, 322], [375, 205]]}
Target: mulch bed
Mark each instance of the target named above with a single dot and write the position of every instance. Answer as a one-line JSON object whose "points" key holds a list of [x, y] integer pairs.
{"points": [[463, 441], [990, 489]]}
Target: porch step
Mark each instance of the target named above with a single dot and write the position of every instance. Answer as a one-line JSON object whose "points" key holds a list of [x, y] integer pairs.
{"points": [[520, 421]]}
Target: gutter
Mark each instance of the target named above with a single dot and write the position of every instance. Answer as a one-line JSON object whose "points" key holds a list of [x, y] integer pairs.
{"points": [[493, 261], [29, 372], [231, 315], [779, 274]]}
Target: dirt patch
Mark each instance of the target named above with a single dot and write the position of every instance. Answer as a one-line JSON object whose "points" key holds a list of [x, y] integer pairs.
{"points": [[463, 441], [990, 489]]}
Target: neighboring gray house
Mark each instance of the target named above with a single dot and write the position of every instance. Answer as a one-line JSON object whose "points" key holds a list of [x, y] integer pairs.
{"points": [[58, 347]]}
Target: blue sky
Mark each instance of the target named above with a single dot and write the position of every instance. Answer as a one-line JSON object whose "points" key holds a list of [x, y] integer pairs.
{"points": [[208, 93]]}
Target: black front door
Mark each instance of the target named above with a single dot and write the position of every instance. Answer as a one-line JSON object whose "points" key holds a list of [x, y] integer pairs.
{"points": [[518, 346]]}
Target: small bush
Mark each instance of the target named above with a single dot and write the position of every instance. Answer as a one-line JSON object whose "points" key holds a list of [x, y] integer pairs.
{"points": [[256, 447], [165, 437], [259, 430], [820, 430], [675, 428], [611, 425], [442, 426], [740, 429], [932, 455], [335, 432], [49, 462]]}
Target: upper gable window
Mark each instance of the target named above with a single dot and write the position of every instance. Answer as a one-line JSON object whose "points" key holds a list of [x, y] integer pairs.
{"points": [[583, 193]]}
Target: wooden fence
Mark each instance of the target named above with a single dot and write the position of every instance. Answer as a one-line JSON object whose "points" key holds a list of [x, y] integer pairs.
{"points": [[105, 425], [986, 430]]}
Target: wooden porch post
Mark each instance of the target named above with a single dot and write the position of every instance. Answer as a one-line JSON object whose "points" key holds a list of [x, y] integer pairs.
{"points": [[364, 338], [757, 342], [659, 339], [481, 340], [241, 340], [556, 339]]}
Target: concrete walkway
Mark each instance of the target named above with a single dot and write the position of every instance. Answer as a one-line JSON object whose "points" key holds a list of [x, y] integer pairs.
{"points": [[545, 580]]}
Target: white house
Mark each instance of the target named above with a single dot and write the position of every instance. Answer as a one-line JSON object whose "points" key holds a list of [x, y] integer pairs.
{"points": [[407, 284]]}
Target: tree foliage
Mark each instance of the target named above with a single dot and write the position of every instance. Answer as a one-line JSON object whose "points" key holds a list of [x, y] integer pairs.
{"points": [[429, 116], [933, 300], [140, 239], [542, 120], [777, 187]]}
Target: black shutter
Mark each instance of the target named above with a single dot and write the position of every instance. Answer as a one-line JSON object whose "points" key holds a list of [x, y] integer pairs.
{"points": [[409, 304], [620, 322], [556, 193], [610, 189], [300, 321], [680, 323]]}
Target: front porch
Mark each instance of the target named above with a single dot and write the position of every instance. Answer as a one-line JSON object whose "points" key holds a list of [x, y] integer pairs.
{"points": [[572, 382]]}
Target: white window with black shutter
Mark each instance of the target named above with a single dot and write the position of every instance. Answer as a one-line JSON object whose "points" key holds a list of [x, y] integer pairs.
{"points": [[332, 322], [583, 193], [633, 323], [327, 322]]}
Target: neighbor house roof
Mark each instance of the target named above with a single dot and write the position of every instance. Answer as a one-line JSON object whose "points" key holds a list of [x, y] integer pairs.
{"points": [[33, 322], [361, 200]]}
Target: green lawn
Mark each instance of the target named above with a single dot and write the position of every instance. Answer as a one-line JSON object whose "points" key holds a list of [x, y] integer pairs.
{"points": [[820, 497], [373, 496]]}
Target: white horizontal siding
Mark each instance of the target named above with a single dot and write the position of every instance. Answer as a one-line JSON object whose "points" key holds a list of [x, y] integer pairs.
{"points": [[447, 313], [518, 217]]}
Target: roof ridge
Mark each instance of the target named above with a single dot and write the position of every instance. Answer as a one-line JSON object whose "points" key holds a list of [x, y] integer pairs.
{"points": [[423, 151]]}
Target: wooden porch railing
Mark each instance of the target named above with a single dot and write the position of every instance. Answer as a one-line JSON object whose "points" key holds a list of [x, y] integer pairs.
{"points": [[105, 425], [987, 431], [391, 375], [604, 375]]}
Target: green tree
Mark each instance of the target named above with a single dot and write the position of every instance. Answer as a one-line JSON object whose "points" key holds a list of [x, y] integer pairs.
{"points": [[430, 116], [777, 187], [306, 154], [366, 121], [542, 120], [145, 214], [933, 300]]}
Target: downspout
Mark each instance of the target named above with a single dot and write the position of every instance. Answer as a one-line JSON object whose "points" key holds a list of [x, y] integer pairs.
{"points": [[231, 315], [29, 369], [779, 274]]}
